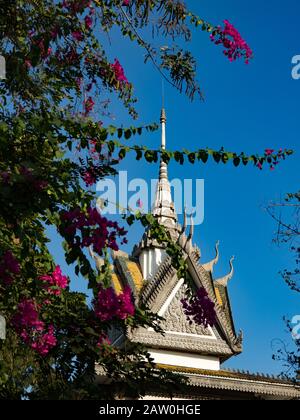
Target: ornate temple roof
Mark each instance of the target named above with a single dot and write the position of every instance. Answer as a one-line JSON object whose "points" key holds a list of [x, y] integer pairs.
{"points": [[162, 291]]}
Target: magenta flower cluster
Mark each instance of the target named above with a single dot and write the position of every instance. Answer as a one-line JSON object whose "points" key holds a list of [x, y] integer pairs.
{"points": [[76, 6], [108, 305], [272, 157], [235, 46], [89, 177], [55, 282], [119, 72], [32, 330], [200, 309], [88, 105], [103, 341], [9, 267], [88, 22], [77, 35], [94, 230]]}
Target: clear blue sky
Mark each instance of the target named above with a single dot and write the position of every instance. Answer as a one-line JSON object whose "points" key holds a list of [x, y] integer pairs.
{"points": [[247, 108]]}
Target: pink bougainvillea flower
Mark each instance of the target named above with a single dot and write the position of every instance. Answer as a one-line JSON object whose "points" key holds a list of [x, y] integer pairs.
{"points": [[89, 105], [88, 22], [119, 72], [77, 35], [89, 178], [31, 329], [269, 152], [55, 282], [126, 2], [76, 6], [200, 309], [93, 228], [235, 46], [103, 341], [27, 316], [126, 306], [109, 305], [42, 343]]}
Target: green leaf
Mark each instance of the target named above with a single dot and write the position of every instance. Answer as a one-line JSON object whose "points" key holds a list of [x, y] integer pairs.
{"points": [[139, 154], [151, 156], [192, 157], [111, 146], [179, 157], [130, 220], [127, 134], [203, 155], [217, 156], [122, 153], [236, 161], [225, 158]]}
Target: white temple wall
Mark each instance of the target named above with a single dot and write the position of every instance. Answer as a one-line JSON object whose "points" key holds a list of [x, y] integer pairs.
{"points": [[183, 359]]}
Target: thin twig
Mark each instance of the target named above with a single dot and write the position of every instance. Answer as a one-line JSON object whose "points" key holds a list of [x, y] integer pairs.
{"points": [[278, 220], [144, 44]]}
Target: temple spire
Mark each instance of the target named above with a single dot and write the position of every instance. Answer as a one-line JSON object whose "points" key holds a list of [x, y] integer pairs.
{"points": [[163, 207], [163, 170]]}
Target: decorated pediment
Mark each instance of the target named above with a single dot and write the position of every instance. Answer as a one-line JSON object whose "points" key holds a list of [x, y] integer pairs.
{"points": [[175, 319]]}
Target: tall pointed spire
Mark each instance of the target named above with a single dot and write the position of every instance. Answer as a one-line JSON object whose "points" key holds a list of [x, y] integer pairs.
{"points": [[163, 170], [163, 207]]}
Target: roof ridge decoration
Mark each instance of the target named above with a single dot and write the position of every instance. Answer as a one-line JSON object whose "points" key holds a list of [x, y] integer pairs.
{"points": [[223, 281], [186, 242], [210, 265], [153, 287], [237, 381], [227, 327]]}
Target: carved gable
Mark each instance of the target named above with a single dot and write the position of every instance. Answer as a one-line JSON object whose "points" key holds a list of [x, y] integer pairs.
{"points": [[176, 320]]}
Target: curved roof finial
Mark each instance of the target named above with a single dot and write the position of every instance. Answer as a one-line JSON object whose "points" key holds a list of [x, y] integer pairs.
{"points": [[223, 281], [189, 245], [99, 261], [192, 229], [210, 265], [184, 221]]}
